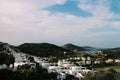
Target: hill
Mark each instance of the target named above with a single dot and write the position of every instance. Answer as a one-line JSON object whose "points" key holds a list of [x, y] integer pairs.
{"points": [[42, 49], [112, 50], [88, 48], [73, 48]]}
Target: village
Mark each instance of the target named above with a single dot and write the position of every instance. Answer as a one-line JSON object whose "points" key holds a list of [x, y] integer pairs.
{"points": [[72, 66]]}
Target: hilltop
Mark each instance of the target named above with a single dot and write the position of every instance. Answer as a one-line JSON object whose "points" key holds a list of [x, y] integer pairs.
{"points": [[73, 48], [42, 49]]}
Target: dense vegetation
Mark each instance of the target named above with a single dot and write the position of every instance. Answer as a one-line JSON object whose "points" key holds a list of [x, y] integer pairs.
{"points": [[6, 59], [112, 53], [42, 49], [104, 75], [27, 73]]}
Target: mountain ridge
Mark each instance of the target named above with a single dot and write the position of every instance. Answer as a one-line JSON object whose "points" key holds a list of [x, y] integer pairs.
{"points": [[73, 47], [42, 49], [78, 49]]}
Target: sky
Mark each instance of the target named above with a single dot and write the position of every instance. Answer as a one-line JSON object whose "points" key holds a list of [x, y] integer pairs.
{"points": [[81, 22]]}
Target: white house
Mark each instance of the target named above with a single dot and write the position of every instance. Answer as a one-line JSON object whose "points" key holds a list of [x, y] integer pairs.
{"points": [[64, 63], [61, 76], [45, 64]]}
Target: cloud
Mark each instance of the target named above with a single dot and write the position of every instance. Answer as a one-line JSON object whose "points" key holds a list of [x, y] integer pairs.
{"points": [[27, 21], [99, 8]]}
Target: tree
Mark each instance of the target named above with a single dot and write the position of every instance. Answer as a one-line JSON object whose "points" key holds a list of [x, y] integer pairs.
{"points": [[31, 59], [6, 74], [11, 60], [7, 59], [104, 75]]}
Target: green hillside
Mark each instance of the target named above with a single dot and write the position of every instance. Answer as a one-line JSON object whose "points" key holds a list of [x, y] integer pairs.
{"points": [[42, 49], [73, 48]]}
